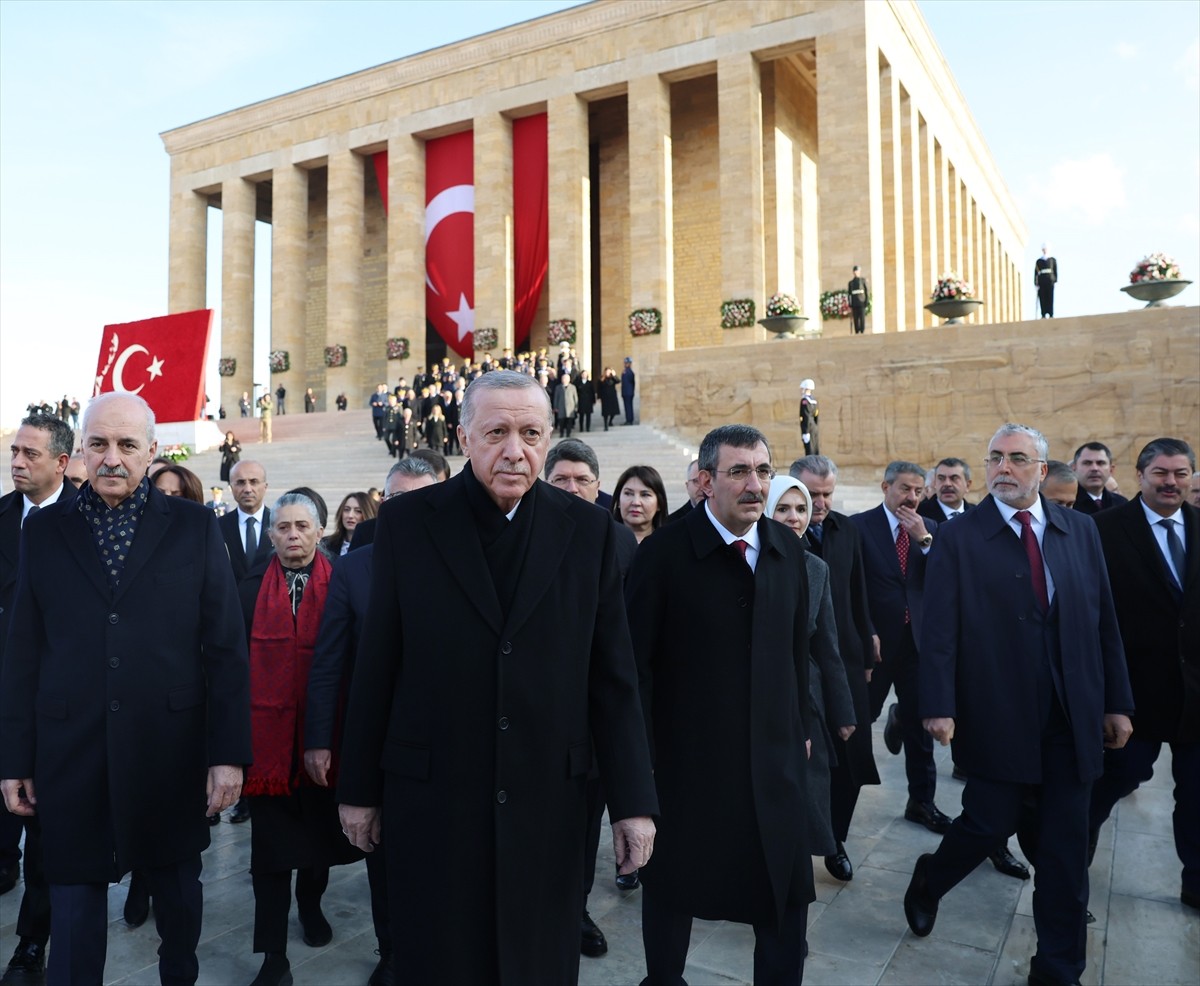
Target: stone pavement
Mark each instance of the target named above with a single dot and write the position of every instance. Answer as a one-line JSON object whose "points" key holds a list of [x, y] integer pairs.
{"points": [[857, 931]]}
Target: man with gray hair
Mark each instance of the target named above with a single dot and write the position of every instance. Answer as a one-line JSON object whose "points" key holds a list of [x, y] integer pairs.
{"points": [[1022, 668], [692, 487], [124, 694]]}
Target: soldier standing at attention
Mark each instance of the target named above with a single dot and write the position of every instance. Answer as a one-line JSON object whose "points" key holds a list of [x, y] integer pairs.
{"points": [[1045, 276]]}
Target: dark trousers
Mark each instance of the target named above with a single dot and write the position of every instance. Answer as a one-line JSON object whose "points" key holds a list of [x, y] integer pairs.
{"points": [[79, 926], [899, 668], [859, 318], [378, 423], [843, 798], [273, 900], [1046, 299], [11, 827], [33, 920], [628, 402], [1127, 768], [585, 421], [594, 794], [993, 811], [666, 933]]}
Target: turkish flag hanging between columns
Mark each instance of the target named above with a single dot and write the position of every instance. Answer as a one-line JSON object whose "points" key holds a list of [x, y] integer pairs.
{"points": [[450, 240], [159, 359], [531, 225]]}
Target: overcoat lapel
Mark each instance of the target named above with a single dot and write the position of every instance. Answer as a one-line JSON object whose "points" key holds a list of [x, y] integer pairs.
{"points": [[10, 531], [151, 527], [464, 552], [548, 541], [83, 547]]}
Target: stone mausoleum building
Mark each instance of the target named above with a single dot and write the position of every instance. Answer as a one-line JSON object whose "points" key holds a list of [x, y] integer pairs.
{"points": [[697, 151]]}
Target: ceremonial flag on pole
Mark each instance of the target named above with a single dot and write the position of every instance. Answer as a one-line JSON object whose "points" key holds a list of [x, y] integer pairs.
{"points": [[159, 359]]}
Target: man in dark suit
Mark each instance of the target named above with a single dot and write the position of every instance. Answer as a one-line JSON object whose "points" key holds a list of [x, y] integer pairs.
{"points": [[1152, 550], [1093, 468], [245, 530], [718, 607], [694, 491], [896, 540], [474, 779], [124, 700], [951, 484], [41, 451], [834, 539], [628, 388], [1022, 667]]}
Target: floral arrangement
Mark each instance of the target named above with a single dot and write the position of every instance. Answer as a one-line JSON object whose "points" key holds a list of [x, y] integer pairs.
{"points": [[397, 348], [226, 366], [486, 338], [782, 304], [1156, 267], [176, 453], [280, 361], [737, 314], [335, 356], [836, 304], [645, 322], [561, 330], [951, 287]]}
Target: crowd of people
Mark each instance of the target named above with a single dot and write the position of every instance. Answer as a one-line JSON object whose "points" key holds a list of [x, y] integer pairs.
{"points": [[278, 655]]}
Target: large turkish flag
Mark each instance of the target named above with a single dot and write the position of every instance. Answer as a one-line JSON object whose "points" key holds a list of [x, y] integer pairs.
{"points": [[450, 239], [161, 360]]}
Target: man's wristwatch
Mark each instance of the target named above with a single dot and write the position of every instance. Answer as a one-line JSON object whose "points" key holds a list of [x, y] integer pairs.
{"points": [[926, 541]]}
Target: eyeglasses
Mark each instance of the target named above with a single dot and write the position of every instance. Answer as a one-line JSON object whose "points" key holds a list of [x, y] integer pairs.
{"points": [[392, 496], [562, 482], [739, 474], [1018, 460]]}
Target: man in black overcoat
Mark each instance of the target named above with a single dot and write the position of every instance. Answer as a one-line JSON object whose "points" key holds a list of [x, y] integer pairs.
{"points": [[1155, 576], [124, 700], [720, 633], [249, 482], [468, 768], [1093, 467]]}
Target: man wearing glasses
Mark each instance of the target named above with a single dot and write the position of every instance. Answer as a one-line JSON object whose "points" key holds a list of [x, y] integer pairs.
{"points": [[1022, 667], [717, 608]]}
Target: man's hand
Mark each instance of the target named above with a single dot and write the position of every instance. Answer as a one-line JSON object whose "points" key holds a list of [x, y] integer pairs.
{"points": [[875, 645], [19, 797], [1117, 730], [316, 765], [941, 730], [845, 732], [912, 522], [224, 787], [362, 826], [633, 842]]}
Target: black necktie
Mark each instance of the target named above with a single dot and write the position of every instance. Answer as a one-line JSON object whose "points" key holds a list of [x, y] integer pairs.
{"points": [[251, 540], [35, 508], [1174, 545]]}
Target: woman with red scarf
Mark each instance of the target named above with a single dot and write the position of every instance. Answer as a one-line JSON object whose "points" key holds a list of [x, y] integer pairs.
{"points": [[295, 823]]}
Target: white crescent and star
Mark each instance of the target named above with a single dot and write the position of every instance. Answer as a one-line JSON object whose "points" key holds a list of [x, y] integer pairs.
{"points": [[449, 202], [118, 373]]}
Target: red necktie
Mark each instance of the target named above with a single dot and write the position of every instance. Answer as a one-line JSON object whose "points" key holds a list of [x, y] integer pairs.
{"points": [[741, 547], [1037, 571], [902, 557]]}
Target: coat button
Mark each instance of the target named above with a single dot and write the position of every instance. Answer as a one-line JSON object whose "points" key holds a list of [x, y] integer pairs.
{"points": [[114, 705], [742, 601], [113, 618], [501, 796], [503, 723], [114, 662], [506, 647]]}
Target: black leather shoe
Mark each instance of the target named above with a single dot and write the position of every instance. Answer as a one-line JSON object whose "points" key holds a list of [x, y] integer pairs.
{"points": [[839, 866], [891, 731], [1036, 979], [385, 972], [317, 932], [1008, 864], [628, 881], [920, 909], [1189, 898], [928, 815], [9, 875], [214, 819], [27, 966], [137, 902], [957, 773], [276, 971], [591, 939], [240, 812]]}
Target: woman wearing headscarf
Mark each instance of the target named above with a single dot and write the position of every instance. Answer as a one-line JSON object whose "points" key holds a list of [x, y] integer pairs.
{"points": [[296, 824], [832, 706]]}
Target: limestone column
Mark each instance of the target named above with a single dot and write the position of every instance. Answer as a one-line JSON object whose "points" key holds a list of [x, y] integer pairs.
{"points": [[928, 206], [894, 316], [238, 205], [187, 249], [493, 228], [989, 280], [740, 157], [289, 265], [343, 272], [406, 252], [570, 273], [945, 253], [956, 220], [910, 125], [968, 273], [651, 239]]}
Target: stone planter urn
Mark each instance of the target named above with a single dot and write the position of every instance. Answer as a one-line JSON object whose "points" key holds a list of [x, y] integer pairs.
{"points": [[784, 326], [1155, 292], [954, 310]]}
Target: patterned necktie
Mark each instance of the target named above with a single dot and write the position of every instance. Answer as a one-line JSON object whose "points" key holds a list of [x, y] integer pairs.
{"points": [[902, 557], [1174, 545], [817, 533], [1037, 571], [251, 540], [741, 547]]}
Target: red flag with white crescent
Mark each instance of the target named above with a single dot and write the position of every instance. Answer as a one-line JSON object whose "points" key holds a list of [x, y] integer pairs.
{"points": [[159, 359], [450, 239]]}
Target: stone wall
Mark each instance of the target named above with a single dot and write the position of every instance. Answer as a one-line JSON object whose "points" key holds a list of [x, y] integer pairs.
{"points": [[1123, 379]]}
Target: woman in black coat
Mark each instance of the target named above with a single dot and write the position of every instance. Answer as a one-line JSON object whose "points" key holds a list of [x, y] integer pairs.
{"points": [[231, 452], [610, 407]]}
